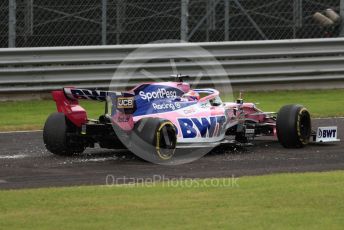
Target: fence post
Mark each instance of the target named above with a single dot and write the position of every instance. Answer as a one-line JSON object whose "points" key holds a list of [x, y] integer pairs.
{"points": [[297, 16], [341, 9], [226, 20], [184, 30], [120, 16], [12, 23], [211, 20], [104, 21], [28, 18]]}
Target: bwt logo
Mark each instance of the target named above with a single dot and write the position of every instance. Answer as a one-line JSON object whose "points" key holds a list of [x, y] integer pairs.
{"points": [[159, 94], [89, 94], [327, 133], [212, 126]]}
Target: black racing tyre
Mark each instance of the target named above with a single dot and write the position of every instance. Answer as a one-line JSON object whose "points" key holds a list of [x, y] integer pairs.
{"points": [[56, 138], [293, 126], [154, 139]]}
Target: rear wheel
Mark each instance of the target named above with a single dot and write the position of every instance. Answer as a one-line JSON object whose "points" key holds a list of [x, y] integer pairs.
{"points": [[154, 139], [293, 126], [57, 136]]}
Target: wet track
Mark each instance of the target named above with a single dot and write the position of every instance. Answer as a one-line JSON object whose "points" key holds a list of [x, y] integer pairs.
{"points": [[24, 162]]}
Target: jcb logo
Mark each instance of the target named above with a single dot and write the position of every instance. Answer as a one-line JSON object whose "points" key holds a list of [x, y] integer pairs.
{"points": [[125, 102]]}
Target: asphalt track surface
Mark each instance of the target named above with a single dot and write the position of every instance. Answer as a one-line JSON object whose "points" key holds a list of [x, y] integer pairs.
{"points": [[24, 162]]}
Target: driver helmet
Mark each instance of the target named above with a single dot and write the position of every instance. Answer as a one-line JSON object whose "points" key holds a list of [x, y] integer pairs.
{"points": [[191, 96]]}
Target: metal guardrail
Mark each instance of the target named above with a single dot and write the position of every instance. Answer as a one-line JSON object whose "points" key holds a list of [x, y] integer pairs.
{"points": [[253, 62]]}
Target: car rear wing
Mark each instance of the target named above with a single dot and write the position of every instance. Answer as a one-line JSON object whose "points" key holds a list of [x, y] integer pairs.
{"points": [[87, 94], [121, 100], [120, 105]]}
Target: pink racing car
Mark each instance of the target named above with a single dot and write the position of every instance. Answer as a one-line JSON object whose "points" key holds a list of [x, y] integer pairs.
{"points": [[162, 117]]}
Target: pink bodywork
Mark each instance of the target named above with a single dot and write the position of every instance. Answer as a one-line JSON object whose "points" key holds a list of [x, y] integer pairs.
{"points": [[78, 116]]}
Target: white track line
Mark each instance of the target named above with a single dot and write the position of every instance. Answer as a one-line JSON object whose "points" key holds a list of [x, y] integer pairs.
{"points": [[20, 156], [24, 131], [326, 118]]}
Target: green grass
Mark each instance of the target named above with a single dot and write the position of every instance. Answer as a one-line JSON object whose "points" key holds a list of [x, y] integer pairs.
{"points": [[26, 115], [280, 201], [320, 103], [30, 115]]}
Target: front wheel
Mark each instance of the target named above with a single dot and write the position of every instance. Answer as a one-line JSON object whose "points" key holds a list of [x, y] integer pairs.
{"points": [[56, 136], [293, 126]]}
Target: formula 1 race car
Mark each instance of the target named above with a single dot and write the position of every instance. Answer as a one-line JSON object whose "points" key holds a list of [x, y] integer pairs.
{"points": [[162, 117]]}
